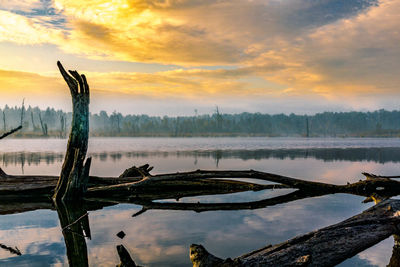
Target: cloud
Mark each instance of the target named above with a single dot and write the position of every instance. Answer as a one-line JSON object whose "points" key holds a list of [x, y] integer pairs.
{"points": [[273, 48], [194, 83], [20, 5], [22, 30]]}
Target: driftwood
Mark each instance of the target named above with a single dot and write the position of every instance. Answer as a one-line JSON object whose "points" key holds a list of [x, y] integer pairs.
{"points": [[395, 259], [316, 248], [141, 190], [132, 186]]}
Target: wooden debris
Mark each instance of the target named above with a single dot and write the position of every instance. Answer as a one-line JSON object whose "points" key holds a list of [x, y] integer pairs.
{"points": [[121, 234], [315, 248], [134, 171]]}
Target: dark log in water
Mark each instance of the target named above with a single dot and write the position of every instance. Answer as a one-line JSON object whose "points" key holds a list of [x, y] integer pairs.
{"points": [[324, 247], [395, 259], [187, 183]]}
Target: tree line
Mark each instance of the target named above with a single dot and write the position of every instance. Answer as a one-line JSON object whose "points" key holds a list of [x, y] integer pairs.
{"points": [[51, 122]]}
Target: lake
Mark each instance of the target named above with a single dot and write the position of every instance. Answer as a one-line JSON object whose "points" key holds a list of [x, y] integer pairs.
{"points": [[163, 237]]}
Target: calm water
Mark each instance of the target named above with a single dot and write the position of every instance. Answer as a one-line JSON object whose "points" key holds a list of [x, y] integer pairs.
{"points": [[162, 237]]}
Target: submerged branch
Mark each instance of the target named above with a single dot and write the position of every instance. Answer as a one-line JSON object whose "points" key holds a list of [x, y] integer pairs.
{"points": [[12, 250]]}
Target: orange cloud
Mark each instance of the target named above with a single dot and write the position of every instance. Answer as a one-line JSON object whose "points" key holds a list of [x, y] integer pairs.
{"points": [[353, 55]]}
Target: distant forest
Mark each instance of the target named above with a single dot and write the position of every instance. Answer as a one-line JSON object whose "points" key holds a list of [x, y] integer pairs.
{"points": [[55, 123]]}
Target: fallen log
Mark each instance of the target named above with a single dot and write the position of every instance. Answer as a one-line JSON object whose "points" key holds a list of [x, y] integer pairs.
{"points": [[316, 248], [200, 182], [36, 186]]}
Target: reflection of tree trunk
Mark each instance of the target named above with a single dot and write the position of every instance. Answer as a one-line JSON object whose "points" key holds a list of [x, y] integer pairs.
{"points": [[74, 223], [395, 259], [125, 258]]}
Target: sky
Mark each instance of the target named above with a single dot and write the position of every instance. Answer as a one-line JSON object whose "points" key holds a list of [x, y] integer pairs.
{"points": [[179, 57]]}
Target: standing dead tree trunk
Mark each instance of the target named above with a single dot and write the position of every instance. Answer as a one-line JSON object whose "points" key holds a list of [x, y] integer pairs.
{"points": [[74, 174], [4, 121], [15, 129], [34, 127], [63, 126], [44, 125]]}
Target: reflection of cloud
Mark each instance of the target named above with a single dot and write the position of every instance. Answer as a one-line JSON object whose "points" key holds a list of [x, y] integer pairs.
{"points": [[379, 254], [163, 237], [37, 242]]}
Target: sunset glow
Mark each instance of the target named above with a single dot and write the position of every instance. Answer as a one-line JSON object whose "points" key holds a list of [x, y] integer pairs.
{"points": [[174, 56]]}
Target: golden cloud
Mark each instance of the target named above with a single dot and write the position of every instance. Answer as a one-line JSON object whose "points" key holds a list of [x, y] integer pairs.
{"points": [[351, 56], [22, 30], [194, 83]]}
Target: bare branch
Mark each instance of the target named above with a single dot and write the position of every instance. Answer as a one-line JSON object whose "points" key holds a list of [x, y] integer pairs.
{"points": [[77, 77], [11, 132], [72, 84]]}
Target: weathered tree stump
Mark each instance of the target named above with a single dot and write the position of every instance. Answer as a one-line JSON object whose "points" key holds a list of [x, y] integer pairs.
{"points": [[74, 174]]}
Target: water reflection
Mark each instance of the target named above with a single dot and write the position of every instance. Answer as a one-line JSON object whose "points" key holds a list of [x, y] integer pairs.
{"points": [[162, 237], [74, 222], [159, 238], [76, 232], [374, 154]]}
